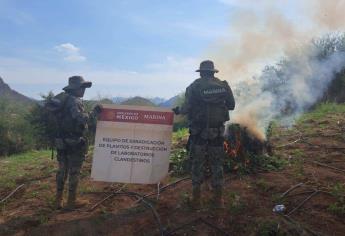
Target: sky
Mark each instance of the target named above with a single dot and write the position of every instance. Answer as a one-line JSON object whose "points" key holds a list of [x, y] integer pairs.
{"points": [[125, 47]]}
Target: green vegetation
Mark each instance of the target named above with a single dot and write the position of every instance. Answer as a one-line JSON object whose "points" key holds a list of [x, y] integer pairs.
{"points": [[253, 163], [321, 111], [180, 121], [185, 198], [29, 126], [44, 124], [16, 132], [23, 167], [86, 188], [338, 208], [262, 185], [236, 206], [268, 228], [180, 134], [180, 162]]}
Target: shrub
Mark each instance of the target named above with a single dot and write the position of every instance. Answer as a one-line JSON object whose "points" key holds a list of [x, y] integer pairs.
{"points": [[16, 133]]}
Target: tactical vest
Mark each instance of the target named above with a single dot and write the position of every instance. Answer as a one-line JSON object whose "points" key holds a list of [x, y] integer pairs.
{"points": [[211, 111]]}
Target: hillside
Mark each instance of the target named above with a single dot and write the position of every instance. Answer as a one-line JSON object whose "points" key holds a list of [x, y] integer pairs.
{"points": [[170, 102], [157, 101], [11, 95], [309, 182]]}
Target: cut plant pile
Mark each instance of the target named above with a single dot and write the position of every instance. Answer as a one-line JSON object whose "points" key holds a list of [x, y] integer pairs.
{"points": [[309, 179]]}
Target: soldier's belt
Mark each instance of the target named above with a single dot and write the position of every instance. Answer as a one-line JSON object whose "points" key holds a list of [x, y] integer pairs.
{"points": [[212, 133], [73, 141], [63, 143]]}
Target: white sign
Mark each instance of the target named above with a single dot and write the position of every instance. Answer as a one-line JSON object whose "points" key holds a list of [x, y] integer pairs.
{"points": [[132, 144]]}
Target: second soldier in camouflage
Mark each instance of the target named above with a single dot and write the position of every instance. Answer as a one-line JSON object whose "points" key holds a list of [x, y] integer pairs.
{"points": [[207, 104]]}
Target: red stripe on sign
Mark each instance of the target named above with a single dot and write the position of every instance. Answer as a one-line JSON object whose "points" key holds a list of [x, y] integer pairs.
{"points": [[134, 116]]}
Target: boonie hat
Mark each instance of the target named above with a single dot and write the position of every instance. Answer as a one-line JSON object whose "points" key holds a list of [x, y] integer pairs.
{"points": [[207, 66], [76, 82]]}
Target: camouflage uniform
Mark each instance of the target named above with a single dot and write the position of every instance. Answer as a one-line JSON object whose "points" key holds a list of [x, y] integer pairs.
{"points": [[206, 143], [75, 145], [71, 140]]}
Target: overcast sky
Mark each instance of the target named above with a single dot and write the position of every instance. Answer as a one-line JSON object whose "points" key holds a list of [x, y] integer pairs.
{"points": [[125, 47]]}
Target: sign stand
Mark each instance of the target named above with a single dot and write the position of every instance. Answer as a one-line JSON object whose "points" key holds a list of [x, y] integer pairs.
{"points": [[158, 190]]}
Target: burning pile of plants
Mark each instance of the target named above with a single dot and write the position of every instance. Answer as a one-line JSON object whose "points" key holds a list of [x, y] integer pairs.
{"points": [[246, 152]]}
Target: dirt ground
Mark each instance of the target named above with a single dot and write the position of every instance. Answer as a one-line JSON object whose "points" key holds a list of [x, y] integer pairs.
{"points": [[314, 152]]}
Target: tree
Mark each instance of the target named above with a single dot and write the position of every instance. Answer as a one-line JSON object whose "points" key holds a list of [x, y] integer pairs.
{"points": [[44, 123]]}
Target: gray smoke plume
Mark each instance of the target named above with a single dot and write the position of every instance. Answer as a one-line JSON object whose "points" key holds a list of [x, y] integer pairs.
{"points": [[286, 90], [309, 55]]}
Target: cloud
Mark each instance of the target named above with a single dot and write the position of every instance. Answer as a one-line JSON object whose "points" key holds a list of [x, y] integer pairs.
{"points": [[70, 52]]}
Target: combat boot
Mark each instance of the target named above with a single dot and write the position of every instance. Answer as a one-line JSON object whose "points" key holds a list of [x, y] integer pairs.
{"points": [[71, 200], [218, 201], [73, 203], [196, 205], [58, 200]]}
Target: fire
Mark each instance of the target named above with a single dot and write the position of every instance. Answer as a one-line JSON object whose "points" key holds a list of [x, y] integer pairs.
{"points": [[232, 150], [232, 143], [241, 146]]}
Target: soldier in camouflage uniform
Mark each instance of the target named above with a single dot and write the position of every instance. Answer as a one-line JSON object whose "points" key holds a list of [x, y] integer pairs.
{"points": [[71, 141], [207, 104]]}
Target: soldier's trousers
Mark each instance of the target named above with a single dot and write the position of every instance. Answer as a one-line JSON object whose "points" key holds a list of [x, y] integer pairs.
{"points": [[214, 156], [70, 163]]}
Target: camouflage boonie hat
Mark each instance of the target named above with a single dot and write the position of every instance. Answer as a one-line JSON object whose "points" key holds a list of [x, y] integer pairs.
{"points": [[76, 82], [207, 66]]}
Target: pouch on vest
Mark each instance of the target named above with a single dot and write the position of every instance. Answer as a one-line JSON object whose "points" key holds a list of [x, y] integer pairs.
{"points": [[73, 141], [79, 143]]}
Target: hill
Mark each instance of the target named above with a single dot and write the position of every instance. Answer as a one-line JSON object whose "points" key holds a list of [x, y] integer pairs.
{"points": [[13, 96], [138, 101], [170, 102], [118, 100], [310, 183], [155, 100]]}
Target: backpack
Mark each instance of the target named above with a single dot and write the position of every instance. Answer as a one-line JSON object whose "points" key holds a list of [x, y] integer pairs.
{"points": [[212, 111], [67, 126], [55, 106], [57, 103]]}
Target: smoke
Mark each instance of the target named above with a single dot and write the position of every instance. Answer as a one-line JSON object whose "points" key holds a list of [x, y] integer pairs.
{"points": [[291, 34]]}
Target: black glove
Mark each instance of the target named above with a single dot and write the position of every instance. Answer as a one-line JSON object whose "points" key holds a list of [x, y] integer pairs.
{"points": [[176, 110], [98, 109]]}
